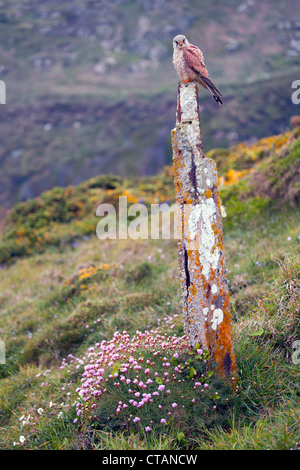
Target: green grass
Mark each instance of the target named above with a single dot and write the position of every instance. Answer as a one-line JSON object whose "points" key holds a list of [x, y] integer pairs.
{"points": [[59, 301], [267, 379]]}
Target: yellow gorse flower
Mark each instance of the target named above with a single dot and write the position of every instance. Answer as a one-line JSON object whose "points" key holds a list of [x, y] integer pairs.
{"points": [[87, 273]]}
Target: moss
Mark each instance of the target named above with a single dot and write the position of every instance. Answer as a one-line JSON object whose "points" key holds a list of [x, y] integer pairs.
{"points": [[240, 206], [278, 176], [139, 273]]}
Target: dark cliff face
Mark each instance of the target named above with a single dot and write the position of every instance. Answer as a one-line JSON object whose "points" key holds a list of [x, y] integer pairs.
{"points": [[91, 86]]}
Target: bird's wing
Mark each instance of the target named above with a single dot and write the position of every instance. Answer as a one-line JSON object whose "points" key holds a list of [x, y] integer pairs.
{"points": [[194, 60]]}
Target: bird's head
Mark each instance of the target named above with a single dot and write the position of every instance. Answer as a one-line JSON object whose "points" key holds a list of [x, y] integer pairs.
{"points": [[180, 42]]}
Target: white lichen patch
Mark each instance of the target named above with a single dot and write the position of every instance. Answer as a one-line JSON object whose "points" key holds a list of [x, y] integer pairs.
{"points": [[194, 217], [214, 289], [187, 103], [190, 120], [217, 318], [200, 220], [209, 253], [205, 311], [208, 182]]}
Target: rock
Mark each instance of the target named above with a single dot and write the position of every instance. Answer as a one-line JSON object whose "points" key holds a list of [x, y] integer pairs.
{"points": [[284, 25], [77, 124], [48, 127], [3, 70], [246, 7], [233, 137], [16, 153], [295, 45], [42, 63], [100, 68], [232, 45]]}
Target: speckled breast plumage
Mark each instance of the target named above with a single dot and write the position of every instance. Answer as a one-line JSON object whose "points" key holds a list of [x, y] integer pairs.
{"points": [[180, 66]]}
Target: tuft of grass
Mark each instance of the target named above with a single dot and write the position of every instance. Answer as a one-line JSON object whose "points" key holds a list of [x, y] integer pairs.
{"points": [[277, 431]]}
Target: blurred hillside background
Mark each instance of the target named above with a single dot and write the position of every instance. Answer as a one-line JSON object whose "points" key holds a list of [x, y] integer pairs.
{"points": [[91, 87], [90, 104]]}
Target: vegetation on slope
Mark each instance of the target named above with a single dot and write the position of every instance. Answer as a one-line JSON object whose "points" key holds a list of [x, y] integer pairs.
{"points": [[78, 79], [73, 296]]}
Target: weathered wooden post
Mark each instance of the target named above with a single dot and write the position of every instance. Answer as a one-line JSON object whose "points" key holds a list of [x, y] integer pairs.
{"points": [[204, 290]]}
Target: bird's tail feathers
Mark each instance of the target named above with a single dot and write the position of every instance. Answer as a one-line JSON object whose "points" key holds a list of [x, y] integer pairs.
{"points": [[215, 92]]}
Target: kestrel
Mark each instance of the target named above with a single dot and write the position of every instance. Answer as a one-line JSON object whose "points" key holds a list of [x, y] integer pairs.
{"points": [[188, 61]]}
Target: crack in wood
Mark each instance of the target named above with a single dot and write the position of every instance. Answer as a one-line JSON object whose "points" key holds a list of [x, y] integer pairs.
{"points": [[186, 268]]}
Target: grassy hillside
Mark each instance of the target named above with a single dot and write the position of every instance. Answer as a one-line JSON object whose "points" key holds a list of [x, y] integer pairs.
{"points": [[91, 86], [96, 357]]}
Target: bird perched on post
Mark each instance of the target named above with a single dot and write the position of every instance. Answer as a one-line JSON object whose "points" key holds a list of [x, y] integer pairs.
{"points": [[188, 61]]}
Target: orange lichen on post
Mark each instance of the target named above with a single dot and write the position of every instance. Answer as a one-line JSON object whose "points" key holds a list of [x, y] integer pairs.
{"points": [[205, 295]]}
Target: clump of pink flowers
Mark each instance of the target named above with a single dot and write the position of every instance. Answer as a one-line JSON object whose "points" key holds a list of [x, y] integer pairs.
{"points": [[149, 382], [142, 371]]}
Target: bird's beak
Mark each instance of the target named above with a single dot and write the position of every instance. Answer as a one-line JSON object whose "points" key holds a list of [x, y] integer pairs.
{"points": [[180, 43]]}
